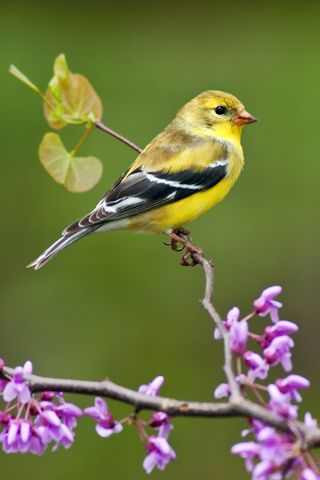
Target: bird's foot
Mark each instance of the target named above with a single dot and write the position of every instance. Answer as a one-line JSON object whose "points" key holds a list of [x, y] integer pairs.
{"points": [[182, 236]]}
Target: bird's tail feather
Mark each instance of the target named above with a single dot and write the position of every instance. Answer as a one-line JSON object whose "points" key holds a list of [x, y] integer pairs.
{"points": [[60, 244]]}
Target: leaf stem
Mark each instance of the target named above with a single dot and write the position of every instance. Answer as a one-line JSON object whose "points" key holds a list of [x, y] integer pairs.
{"points": [[83, 137]]}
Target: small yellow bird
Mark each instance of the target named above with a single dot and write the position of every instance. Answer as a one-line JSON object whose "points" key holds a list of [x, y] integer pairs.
{"points": [[183, 172]]}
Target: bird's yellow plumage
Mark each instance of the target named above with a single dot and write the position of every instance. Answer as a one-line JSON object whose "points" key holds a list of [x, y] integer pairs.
{"points": [[186, 170], [194, 139]]}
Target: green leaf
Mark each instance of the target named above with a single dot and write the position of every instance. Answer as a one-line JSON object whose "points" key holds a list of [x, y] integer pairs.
{"points": [[77, 174], [20, 76], [70, 98], [61, 72], [60, 67]]}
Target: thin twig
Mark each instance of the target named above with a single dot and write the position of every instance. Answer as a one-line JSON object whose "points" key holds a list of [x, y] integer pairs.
{"points": [[104, 128], [208, 268], [208, 306]]}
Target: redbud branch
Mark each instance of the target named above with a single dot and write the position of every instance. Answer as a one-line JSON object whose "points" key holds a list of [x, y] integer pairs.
{"points": [[106, 388], [104, 128], [197, 258], [209, 307]]}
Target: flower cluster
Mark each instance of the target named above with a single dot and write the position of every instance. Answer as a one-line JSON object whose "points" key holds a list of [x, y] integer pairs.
{"points": [[272, 455], [31, 422], [159, 452]]}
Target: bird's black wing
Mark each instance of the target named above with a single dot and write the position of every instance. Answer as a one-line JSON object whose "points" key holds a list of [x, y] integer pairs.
{"points": [[141, 191]]}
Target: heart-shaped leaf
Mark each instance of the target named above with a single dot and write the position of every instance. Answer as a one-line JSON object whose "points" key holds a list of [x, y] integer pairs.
{"points": [[77, 174], [70, 98]]}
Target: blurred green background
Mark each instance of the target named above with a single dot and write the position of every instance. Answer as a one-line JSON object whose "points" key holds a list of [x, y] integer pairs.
{"points": [[118, 304]]}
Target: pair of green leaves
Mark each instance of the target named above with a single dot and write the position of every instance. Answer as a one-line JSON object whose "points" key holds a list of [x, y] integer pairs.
{"points": [[70, 99]]}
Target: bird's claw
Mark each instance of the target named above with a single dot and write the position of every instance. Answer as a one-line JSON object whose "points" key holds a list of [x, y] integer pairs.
{"points": [[190, 259], [182, 236], [174, 245]]}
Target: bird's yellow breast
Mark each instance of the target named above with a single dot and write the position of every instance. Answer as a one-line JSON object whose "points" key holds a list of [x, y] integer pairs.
{"points": [[182, 212]]}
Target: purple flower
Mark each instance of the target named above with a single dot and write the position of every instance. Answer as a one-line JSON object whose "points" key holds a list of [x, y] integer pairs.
{"points": [[19, 436], [17, 387], [242, 379], [283, 327], [160, 421], [5, 418], [16, 436], [50, 428], [160, 453], [258, 368], [274, 450], [291, 384], [308, 474], [256, 427], [69, 412], [49, 396], [309, 421], [265, 304], [232, 316], [280, 403], [264, 469], [106, 425], [60, 434], [238, 331], [238, 335], [152, 389], [222, 390], [279, 352], [248, 451], [56, 422], [3, 383]]}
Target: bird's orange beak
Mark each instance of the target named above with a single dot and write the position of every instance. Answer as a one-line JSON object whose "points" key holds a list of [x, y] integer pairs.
{"points": [[244, 117]]}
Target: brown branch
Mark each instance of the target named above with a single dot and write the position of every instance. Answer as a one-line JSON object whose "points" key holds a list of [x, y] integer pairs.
{"points": [[106, 388], [104, 128], [209, 307], [196, 254]]}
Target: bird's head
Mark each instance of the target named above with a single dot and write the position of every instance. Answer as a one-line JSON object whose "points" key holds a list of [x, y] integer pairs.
{"points": [[217, 113]]}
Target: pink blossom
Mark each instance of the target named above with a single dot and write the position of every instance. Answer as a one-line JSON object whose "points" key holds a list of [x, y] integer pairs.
{"points": [[222, 390], [106, 425], [266, 305], [292, 384], [280, 403], [238, 336], [258, 367], [279, 352], [308, 474], [153, 387], [160, 453], [17, 387], [232, 316]]}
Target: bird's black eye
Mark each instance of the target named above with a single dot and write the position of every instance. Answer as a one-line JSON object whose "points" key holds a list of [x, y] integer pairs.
{"points": [[220, 110]]}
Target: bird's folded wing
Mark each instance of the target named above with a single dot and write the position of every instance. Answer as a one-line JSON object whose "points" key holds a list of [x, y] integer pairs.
{"points": [[141, 191]]}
